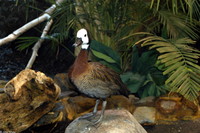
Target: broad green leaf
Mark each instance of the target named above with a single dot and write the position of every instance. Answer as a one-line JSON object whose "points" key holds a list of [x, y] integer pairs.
{"points": [[99, 47], [133, 81], [156, 76], [126, 76], [115, 67], [103, 56], [106, 55], [158, 92], [143, 92], [144, 62], [152, 90]]}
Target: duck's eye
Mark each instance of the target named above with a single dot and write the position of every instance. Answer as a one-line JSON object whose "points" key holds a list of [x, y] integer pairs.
{"points": [[85, 35]]}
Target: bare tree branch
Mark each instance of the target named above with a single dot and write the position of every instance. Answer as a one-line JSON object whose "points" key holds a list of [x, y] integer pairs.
{"points": [[18, 32], [28, 26], [38, 44], [42, 18], [23, 29]]}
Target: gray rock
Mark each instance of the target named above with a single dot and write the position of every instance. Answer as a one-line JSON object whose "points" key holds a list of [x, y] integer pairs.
{"points": [[115, 121], [145, 115]]}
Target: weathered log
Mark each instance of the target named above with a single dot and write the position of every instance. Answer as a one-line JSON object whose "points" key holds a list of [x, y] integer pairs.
{"points": [[26, 98]]}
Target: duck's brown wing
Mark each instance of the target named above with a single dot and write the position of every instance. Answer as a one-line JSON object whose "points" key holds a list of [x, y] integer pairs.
{"points": [[108, 76]]}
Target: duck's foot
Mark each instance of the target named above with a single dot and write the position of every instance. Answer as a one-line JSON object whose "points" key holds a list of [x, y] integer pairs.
{"points": [[98, 122], [89, 115]]}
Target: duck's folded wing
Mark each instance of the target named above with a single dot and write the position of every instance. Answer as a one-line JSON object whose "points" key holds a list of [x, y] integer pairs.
{"points": [[108, 76]]}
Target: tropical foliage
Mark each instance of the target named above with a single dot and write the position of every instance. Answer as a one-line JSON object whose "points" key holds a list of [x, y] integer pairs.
{"points": [[175, 24], [180, 63], [169, 27], [105, 55], [144, 78]]}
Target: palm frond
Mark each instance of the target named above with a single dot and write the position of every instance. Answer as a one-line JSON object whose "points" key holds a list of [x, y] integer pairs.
{"points": [[190, 7], [180, 60], [196, 9], [177, 25], [25, 42]]}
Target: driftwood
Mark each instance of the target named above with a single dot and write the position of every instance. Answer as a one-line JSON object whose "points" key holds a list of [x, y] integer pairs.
{"points": [[26, 98]]}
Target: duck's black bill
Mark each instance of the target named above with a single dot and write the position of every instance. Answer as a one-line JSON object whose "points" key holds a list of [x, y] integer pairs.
{"points": [[78, 42]]}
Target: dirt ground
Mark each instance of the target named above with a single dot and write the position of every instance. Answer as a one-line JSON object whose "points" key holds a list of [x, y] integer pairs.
{"points": [[176, 127]]}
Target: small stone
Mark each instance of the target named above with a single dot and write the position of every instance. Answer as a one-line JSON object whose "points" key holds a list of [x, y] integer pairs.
{"points": [[145, 115], [168, 105], [120, 102], [133, 98], [146, 101]]}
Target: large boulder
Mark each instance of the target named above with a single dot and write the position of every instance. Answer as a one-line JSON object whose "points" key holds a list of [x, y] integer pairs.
{"points": [[114, 121]]}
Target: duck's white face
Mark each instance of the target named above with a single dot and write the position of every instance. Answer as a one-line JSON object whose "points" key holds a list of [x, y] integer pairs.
{"points": [[82, 37]]}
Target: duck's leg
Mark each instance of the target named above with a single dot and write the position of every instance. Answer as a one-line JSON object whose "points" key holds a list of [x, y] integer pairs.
{"points": [[102, 113], [94, 111]]}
